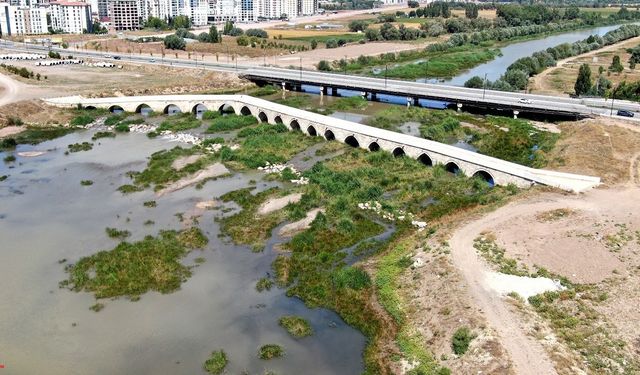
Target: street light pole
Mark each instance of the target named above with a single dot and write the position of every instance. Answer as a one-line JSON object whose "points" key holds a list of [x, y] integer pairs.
{"points": [[345, 65], [613, 98], [386, 67], [426, 67], [484, 85], [300, 69]]}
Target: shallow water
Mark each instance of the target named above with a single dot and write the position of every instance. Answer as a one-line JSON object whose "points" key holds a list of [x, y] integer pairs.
{"points": [[47, 216]]}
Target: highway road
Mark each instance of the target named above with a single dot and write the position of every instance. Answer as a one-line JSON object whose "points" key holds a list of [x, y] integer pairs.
{"points": [[507, 100]]}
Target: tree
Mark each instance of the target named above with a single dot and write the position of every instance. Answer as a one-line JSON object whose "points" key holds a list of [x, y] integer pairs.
{"points": [[174, 42], [471, 11], [156, 23], [214, 37], [324, 66], [474, 82], [180, 22], [517, 78], [228, 26], [413, 4], [634, 58], [358, 25], [242, 40], [389, 32], [372, 34], [236, 31], [583, 83], [257, 33], [572, 13], [203, 38], [616, 65], [314, 44]]}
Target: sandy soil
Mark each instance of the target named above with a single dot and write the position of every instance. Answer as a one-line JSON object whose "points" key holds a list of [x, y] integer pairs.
{"points": [[10, 130], [181, 162], [298, 226], [560, 79], [275, 204], [212, 171]]}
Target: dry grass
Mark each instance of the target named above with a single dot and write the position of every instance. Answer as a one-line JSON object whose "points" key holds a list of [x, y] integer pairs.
{"points": [[597, 148]]}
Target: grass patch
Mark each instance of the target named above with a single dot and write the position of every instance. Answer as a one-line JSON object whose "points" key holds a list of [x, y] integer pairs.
{"points": [[270, 351], [34, 136], [117, 234], [179, 122], [86, 182], [264, 91], [264, 284], [81, 120], [296, 326], [231, 122], [150, 204], [99, 135], [96, 307], [132, 269], [495, 255], [216, 362], [9, 159], [77, 147]]}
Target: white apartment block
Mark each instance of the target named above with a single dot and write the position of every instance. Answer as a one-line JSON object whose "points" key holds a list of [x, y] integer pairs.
{"points": [[254, 10], [22, 20], [70, 17]]}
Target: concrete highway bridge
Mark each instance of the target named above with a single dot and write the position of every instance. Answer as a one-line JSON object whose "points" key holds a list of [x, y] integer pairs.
{"points": [[428, 152], [511, 103]]}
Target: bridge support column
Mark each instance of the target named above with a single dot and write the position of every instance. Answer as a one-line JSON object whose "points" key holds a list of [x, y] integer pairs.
{"points": [[323, 90], [298, 87], [416, 102], [515, 114], [334, 91], [459, 105], [374, 96]]}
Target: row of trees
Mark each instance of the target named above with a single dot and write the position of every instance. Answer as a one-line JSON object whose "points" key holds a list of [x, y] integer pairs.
{"points": [[389, 32], [178, 22], [517, 75]]}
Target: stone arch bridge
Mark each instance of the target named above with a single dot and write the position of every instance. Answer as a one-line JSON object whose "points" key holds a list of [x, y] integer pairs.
{"points": [[430, 153]]}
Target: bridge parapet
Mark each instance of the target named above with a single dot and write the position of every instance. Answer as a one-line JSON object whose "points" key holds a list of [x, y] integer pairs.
{"points": [[367, 137]]}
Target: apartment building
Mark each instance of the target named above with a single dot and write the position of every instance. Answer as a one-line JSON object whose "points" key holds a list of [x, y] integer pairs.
{"points": [[70, 16], [22, 20], [125, 14]]}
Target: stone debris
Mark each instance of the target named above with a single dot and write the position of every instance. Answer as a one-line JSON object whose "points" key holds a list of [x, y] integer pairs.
{"points": [[279, 168], [400, 215], [142, 128]]}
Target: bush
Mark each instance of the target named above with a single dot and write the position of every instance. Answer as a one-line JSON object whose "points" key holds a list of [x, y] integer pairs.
{"points": [[259, 33], [175, 42], [270, 351], [216, 362], [296, 326], [324, 66], [351, 277], [461, 340], [81, 120]]}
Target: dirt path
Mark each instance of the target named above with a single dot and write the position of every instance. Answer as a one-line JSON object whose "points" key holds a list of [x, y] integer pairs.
{"points": [[528, 356]]}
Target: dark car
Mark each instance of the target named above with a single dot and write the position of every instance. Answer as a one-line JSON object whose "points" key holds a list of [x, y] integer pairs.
{"points": [[624, 113], [117, 57]]}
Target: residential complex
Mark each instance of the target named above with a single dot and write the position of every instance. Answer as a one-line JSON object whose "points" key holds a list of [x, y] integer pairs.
{"points": [[21, 20], [71, 17], [125, 14]]}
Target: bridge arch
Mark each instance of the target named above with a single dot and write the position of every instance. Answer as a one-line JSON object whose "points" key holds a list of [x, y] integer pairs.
{"points": [[374, 146], [294, 125], [262, 117], [198, 108], [227, 108], [278, 120], [398, 152], [312, 131], [245, 111], [425, 159], [352, 141], [116, 109], [329, 136], [452, 167], [89, 108], [486, 176], [143, 109], [171, 109]]}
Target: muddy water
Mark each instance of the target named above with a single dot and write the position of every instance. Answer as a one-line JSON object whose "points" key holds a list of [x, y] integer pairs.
{"points": [[47, 216]]}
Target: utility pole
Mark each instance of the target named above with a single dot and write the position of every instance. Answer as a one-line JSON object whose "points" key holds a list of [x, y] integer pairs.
{"points": [[613, 98], [426, 67], [484, 85], [300, 69], [345, 65], [386, 67]]}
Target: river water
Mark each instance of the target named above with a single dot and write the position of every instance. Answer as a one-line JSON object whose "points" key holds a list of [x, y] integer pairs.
{"points": [[47, 216], [512, 52]]}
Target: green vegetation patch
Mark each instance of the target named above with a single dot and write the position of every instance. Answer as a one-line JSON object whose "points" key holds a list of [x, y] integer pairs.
{"points": [[179, 122], [231, 122], [264, 284], [270, 351], [216, 362], [132, 269], [461, 339], [9, 158], [296, 326], [82, 120], [34, 135], [99, 135], [86, 182], [495, 255], [117, 233], [264, 91], [77, 147]]}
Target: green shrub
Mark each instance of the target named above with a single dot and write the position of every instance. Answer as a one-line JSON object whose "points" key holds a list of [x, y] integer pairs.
{"points": [[77, 147], [86, 182], [296, 326], [270, 351], [9, 158], [461, 340], [81, 120], [231, 122], [210, 115], [119, 234], [121, 128], [264, 284], [99, 135], [351, 277], [216, 362]]}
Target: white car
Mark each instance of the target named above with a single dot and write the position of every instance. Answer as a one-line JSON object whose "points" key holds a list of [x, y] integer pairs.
{"points": [[524, 101]]}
